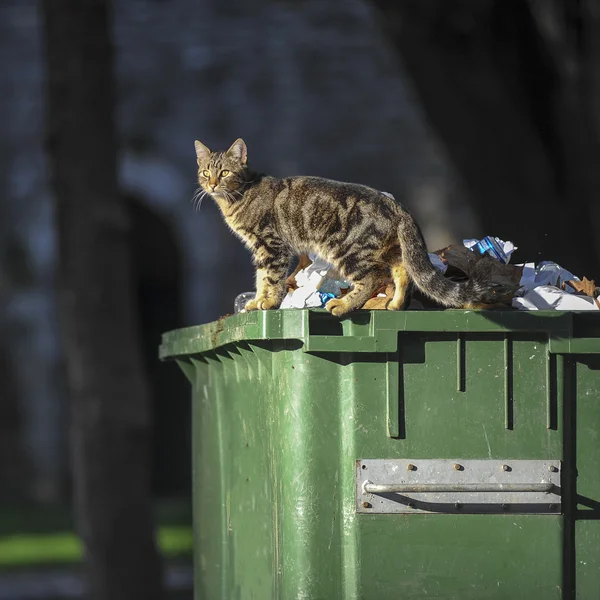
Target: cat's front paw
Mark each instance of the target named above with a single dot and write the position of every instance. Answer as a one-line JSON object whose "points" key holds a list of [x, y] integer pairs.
{"points": [[267, 303], [251, 305], [261, 304]]}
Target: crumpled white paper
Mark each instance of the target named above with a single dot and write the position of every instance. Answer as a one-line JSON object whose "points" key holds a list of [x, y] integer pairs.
{"points": [[302, 297], [548, 297], [542, 289], [546, 273]]}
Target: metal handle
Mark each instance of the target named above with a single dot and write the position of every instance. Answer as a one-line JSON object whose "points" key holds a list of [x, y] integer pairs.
{"points": [[425, 488]]}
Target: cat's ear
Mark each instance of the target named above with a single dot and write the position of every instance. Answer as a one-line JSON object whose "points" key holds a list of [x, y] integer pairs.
{"points": [[238, 150], [202, 152]]}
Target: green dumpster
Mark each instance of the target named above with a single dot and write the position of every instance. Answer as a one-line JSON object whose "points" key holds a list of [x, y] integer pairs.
{"points": [[419, 455]]}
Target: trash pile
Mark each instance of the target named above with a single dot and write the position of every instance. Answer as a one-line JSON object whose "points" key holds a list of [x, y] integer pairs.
{"points": [[527, 286]]}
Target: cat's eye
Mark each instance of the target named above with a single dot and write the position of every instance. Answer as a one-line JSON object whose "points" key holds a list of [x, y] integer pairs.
{"points": [[224, 173], [206, 174]]}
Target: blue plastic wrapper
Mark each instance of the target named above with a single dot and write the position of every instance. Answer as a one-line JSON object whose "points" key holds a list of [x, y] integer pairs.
{"points": [[325, 298], [489, 245]]}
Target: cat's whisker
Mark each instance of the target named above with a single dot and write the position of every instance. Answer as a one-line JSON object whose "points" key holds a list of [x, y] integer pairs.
{"points": [[204, 194], [197, 198]]}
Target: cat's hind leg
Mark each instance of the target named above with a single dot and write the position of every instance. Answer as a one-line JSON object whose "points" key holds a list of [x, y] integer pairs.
{"points": [[401, 285], [402, 281], [364, 286]]}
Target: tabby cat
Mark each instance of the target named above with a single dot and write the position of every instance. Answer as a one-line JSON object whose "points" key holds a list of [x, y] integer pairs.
{"points": [[365, 234]]}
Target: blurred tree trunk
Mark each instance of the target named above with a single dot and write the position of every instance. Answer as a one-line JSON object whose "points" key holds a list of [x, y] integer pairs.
{"points": [[509, 86], [110, 411]]}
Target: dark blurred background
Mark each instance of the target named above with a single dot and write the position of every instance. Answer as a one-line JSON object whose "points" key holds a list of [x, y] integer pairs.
{"points": [[482, 116]]}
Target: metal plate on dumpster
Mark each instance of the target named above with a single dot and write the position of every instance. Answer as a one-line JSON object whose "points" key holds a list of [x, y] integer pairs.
{"points": [[458, 486]]}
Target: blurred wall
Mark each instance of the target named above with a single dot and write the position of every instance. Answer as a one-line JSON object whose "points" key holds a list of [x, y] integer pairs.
{"points": [[311, 86]]}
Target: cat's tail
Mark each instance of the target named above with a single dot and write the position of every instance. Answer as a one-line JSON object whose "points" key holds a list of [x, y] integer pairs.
{"points": [[429, 281]]}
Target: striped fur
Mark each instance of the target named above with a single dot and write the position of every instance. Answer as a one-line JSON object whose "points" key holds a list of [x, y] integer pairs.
{"points": [[365, 234]]}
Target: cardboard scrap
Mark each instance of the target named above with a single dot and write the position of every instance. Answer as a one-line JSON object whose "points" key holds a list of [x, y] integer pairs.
{"points": [[586, 287], [381, 299]]}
